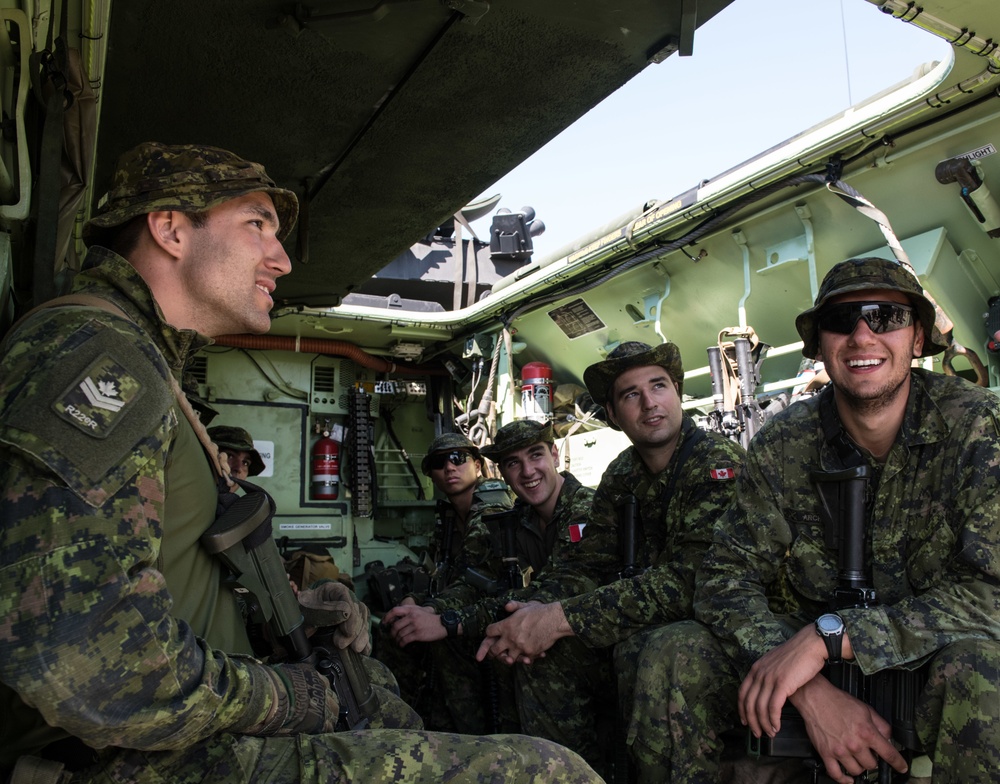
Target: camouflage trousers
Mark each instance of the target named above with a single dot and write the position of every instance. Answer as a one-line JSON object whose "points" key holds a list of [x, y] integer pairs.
{"points": [[394, 749], [479, 696], [368, 757], [685, 700], [562, 696]]}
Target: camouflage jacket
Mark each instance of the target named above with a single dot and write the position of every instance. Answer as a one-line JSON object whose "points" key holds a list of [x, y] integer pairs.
{"points": [[933, 538], [466, 550], [676, 532], [536, 548], [111, 615]]}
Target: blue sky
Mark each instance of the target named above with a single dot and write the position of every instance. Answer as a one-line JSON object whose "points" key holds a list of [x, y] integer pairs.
{"points": [[762, 71]]}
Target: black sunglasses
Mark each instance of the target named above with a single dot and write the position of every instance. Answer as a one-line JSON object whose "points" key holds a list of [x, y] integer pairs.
{"points": [[438, 461], [881, 317]]}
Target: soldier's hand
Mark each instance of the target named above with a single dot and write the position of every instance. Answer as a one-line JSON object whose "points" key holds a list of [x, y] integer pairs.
{"points": [[848, 735], [775, 676], [331, 604], [530, 630], [413, 623], [303, 702]]}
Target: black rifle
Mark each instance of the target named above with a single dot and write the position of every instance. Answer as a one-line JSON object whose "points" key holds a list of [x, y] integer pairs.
{"points": [[241, 538], [892, 693], [504, 527], [442, 569], [629, 525]]}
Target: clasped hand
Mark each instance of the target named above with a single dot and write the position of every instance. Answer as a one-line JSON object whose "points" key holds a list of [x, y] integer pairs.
{"points": [[847, 734], [524, 636]]}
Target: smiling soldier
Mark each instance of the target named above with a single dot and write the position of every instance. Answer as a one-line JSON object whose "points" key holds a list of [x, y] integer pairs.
{"points": [[123, 655]]}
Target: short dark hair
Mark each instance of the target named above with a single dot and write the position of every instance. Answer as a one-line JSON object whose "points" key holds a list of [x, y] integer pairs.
{"points": [[124, 239]]}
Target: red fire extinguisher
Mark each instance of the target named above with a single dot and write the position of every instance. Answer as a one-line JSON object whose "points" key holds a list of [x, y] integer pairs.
{"points": [[325, 469], [536, 391]]}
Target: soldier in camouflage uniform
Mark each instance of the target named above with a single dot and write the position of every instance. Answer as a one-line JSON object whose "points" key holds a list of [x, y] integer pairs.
{"points": [[682, 480], [442, 681], [554, 698], [237, 444], [120, 651], [932, 543]]}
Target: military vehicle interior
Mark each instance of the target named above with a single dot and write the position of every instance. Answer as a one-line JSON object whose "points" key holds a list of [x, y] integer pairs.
{"points": [[396, 324]]}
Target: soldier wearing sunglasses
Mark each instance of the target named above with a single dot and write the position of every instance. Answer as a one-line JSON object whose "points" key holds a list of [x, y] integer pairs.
{"points": [[454, 702], [932, 538]]}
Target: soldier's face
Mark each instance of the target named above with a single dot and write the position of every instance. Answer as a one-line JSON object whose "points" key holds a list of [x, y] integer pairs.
{"points": [[870, 370], [644, 403], [453, 479], [533, 474], [239, 464], [231, 265]]}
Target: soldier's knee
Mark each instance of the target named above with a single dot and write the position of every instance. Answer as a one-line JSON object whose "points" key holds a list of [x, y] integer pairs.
{"points": [[967, 667]]}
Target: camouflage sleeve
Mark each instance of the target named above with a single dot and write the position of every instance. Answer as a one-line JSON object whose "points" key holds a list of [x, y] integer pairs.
{"points": [[664, 593], [86, 634], [476, 617], [748, 546], [553, 582], [955, 567], [93, 647]]}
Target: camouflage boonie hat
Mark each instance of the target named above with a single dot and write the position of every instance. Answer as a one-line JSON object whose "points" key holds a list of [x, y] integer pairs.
{"points": [[187, 177], [865, 274], [448, 442], [600, 376], [239, 440], [517, 435]]}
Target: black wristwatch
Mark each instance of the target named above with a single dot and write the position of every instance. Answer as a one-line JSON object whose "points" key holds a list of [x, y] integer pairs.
{"points": [[450, 621], [831, 628]]}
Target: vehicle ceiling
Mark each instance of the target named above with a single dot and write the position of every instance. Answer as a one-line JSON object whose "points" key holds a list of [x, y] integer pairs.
{"points": [[386, 117]]}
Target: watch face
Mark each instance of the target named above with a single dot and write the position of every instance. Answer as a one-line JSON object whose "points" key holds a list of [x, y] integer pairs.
{"points": [[829, 624]]}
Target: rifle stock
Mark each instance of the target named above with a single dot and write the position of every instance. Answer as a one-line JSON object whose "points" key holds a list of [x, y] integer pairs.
{"points": [[241, 538]]}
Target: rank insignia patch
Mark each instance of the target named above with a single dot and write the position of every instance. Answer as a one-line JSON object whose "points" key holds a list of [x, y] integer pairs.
{"points": [[99, 398]]}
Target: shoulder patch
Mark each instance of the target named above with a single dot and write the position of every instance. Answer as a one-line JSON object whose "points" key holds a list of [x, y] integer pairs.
{"points": [[722, 473], [99, 399], [94, 411]]}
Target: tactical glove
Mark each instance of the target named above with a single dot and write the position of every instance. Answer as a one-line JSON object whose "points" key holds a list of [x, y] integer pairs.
{"points": [[331, 604], [303, 702]]}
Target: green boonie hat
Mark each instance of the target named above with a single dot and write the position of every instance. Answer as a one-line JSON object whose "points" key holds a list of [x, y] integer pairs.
{"points": [[448, 442], [186, 177], [239, 440], [600, 376], [517, 435], [866, 274]]}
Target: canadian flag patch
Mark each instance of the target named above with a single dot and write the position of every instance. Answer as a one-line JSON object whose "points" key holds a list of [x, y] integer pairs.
{"points": [[576, 531], [722, 473]]}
